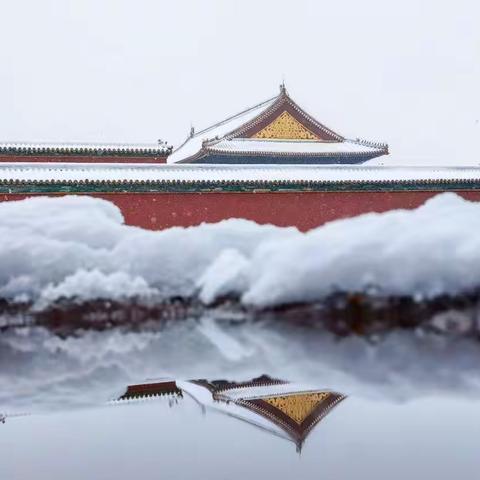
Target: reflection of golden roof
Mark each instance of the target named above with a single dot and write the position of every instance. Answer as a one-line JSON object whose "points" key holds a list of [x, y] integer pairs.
{"points": [[297, 407], [296, 414]]}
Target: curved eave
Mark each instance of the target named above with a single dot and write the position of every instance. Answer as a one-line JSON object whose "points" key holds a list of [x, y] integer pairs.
{"points": [[202, 157], [372, 153]]}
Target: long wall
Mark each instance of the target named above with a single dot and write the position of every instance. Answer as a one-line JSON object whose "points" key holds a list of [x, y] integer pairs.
{"points": [[303, 210], [84, 158]]}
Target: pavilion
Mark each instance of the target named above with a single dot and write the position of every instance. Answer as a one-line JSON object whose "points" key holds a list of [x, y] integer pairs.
{"points": [[276, 131]]}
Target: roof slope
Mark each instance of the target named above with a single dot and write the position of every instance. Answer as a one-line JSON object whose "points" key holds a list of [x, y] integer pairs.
{"points": [[269, 131], [220, 130]]}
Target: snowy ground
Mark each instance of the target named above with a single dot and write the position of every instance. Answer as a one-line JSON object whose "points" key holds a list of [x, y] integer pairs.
{"points": [[79, 248]]}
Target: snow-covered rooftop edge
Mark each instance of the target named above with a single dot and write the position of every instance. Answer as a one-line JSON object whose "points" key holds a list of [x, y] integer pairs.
{"points": [[227, 136], [18, 148], [62, 172], [193, 144], [293, 147]]}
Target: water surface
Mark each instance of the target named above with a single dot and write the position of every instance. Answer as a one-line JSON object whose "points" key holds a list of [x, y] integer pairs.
{"points": [[412, 407]]}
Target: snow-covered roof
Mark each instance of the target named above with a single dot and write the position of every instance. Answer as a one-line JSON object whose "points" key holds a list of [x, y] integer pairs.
{"points": [[194, 143], [292, 147], [12, 148], [302, 135], [130, 173]]}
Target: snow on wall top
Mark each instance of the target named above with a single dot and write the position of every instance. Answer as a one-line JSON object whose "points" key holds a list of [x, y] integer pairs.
{"points": [[62, 172], [12, 148]]}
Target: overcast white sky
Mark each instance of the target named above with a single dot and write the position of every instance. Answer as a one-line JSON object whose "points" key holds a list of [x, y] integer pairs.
{"points": [[407, 72]]}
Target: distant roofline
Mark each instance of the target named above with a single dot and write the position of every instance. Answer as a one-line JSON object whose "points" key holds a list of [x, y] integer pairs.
{"points": [[83, 149]]}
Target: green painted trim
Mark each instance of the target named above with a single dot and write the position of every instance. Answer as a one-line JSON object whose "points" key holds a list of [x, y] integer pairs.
{"points": [[233, 187]]}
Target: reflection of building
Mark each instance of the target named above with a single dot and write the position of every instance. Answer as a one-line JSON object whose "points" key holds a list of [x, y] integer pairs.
{"points": [[282, 408]]}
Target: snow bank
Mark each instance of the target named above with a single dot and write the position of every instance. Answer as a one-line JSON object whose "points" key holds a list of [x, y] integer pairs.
{"points": [[78, 247], [429, 251]]}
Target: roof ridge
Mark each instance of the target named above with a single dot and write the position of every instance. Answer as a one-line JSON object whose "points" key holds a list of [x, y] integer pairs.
{"points": [[238, 131], [312, 119], [226, 120], [284, 97]]}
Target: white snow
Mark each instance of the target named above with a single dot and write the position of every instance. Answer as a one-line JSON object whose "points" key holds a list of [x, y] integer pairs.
{"points": [[86, 285], [72, 245], [29, 172], [79, 247], [230, 348], [243, 145], [225, 275], [193, 144]]}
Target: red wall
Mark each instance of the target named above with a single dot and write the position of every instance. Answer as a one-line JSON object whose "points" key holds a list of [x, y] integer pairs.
{"points": [[303, 210], [82, 159]]}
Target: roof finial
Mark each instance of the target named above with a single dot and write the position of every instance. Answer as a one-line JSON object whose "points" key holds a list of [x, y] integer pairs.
{"points": [[192, 130], [283, 88]]}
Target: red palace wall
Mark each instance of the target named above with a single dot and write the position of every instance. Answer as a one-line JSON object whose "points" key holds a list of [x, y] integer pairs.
{"points": [[303, 210], [82, 159]]}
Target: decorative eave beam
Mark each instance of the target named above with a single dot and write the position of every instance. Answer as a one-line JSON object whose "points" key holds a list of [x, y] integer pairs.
{"points": [[206, 186]]}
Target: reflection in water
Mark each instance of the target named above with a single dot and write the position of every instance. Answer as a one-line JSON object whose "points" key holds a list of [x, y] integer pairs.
{"points": [[281, 408], [398, 387], [40, 372]]}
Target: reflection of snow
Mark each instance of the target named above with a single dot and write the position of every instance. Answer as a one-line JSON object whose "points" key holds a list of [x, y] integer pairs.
{"points": [[40, 371], [230, 348]]}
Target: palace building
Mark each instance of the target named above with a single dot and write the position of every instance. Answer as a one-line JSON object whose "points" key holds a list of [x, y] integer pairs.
{"points": [[281, 408], [272, 163], [276, 131]]}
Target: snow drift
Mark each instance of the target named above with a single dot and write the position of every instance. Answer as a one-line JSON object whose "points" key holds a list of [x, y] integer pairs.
{"points": [[79, 248]]}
